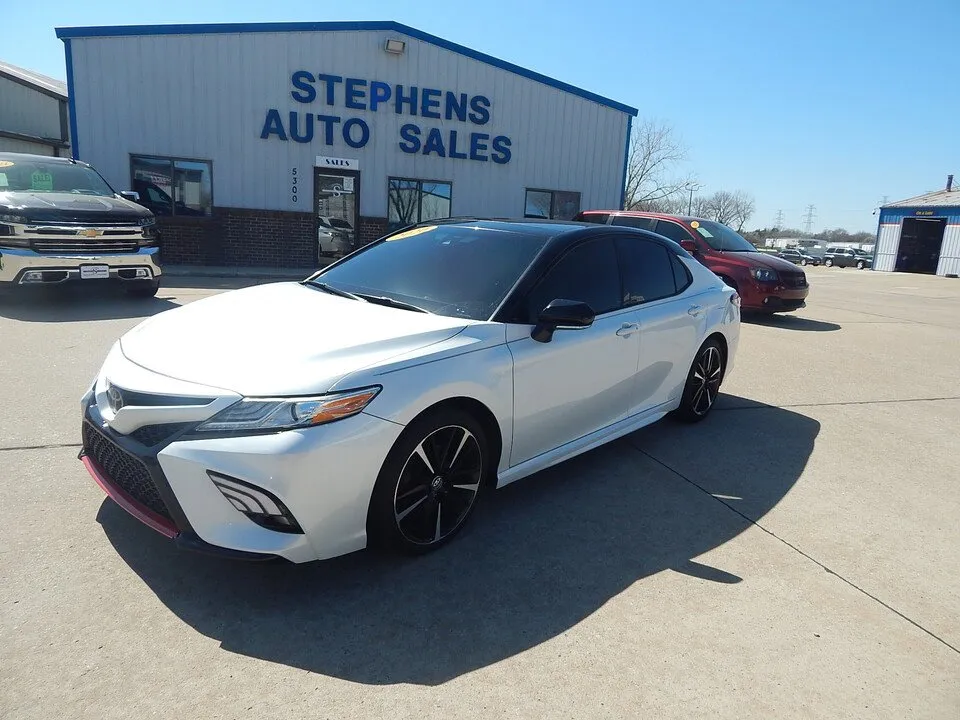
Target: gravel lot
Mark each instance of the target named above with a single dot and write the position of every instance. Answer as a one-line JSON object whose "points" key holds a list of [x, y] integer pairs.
{"points": [[797, 555]]}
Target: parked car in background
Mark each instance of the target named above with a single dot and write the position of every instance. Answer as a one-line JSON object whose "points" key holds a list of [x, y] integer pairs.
{"points": [[61, 221], [765, 282], [375, 401], [335, 237], [798, 257], [847, 257]]}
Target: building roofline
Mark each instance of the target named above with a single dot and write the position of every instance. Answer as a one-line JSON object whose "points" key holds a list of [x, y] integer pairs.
{"points": [[35, 81], [70, 33]]}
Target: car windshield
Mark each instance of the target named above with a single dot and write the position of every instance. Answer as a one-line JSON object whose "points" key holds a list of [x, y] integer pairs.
{"points": [[39, 176], [459, 270], [720, 237]]}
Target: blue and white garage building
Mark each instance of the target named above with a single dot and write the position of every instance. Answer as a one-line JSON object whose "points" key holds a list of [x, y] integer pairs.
{"points": [[921, 234], [258, 144]]}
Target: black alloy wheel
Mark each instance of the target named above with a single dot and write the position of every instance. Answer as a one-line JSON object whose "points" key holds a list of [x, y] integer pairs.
{"points": [[429, 484], [703, 383]]}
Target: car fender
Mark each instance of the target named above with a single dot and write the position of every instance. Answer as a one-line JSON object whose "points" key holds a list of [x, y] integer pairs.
{"points": [[475, 364]]}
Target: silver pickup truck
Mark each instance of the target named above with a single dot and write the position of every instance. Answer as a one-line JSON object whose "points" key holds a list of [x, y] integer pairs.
{"points": [[60, 221]]}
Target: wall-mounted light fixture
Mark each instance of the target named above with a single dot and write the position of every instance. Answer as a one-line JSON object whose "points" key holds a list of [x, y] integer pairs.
{"points": [[395, 47]]}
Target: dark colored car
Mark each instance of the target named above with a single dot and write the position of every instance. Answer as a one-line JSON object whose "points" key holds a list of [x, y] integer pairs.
{"points": [[765, 282], [61, 221], [798, 257], [847, 257]]}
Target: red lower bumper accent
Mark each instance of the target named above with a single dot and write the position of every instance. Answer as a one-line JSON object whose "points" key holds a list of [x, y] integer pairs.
{"points": [[144, 514]]}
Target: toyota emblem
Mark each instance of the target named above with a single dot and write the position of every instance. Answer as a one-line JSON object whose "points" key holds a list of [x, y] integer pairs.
{"points": [[115, 398]]}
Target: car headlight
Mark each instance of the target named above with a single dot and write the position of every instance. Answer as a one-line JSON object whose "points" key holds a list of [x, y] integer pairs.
{"points": [[763, 274], [273, 414], [147, 222]]}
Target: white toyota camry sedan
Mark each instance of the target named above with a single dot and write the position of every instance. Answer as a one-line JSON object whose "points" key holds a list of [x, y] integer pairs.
{"points": [[371, 404]]}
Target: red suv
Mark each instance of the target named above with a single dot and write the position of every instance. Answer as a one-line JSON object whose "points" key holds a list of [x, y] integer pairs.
{"points": [[764, 282]]}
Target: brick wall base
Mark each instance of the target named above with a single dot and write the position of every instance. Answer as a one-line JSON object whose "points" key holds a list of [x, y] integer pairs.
{"points": [[238, 237]]}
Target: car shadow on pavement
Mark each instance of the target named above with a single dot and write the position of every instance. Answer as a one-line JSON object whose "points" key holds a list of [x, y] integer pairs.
{"points": [[80, 304], [789, 322], [538, 557]]}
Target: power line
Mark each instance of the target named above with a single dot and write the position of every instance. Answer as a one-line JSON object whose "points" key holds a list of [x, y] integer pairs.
{"points": [[808, 218]]}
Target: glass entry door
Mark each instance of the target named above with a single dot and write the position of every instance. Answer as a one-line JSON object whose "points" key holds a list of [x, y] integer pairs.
{"points": [[337, 207]]}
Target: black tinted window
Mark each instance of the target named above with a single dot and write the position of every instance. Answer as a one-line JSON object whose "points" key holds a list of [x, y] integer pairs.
{"points": [[643, 223], [464, 271], [600, 218], [646, 270], [681, 276], [672, 230], [588, 273]]}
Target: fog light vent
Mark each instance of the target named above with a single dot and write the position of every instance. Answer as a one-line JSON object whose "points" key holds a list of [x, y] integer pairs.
{"points": [[261, 506]]}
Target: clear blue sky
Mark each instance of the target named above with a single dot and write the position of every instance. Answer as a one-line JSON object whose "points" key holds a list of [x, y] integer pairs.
{"points": [[834, 103]]}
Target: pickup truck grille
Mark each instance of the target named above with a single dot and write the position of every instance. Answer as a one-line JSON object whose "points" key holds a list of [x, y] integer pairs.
{"points": [[82, 246]]}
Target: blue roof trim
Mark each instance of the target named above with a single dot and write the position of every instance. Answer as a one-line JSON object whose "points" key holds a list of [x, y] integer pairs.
{"points": [[66, 34], [71, 102]]}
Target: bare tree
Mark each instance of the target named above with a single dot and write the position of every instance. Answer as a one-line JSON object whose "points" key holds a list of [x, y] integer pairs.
{"points": [[729, 208], [654, 153]]}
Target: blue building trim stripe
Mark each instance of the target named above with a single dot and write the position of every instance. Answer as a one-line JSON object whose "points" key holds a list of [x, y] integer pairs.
{"points": [[66, 34], [71, 102], [626, 163]]}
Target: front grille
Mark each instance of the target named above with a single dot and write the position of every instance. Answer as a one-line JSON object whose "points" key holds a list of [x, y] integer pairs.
{"points": [[83, 247], [795, 280], [123, 469], [151, 435]]}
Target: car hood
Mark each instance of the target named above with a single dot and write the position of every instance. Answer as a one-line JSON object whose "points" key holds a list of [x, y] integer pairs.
{"points": [[757, 259], [73, 207], [279, 339]]}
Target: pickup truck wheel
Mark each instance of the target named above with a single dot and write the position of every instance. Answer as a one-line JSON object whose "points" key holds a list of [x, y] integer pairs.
{"points": [[147, 289]]}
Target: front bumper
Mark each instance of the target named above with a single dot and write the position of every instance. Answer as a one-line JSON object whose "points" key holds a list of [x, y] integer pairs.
{"points": [[772, 297], [323, 475], [15, 263]]}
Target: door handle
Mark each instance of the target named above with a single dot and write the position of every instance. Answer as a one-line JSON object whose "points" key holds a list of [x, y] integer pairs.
{"points": [[695, 310], [628, 329]]}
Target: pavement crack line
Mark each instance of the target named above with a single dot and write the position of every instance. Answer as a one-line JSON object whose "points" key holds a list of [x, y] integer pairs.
{"points": [[793, 547], [840, 403], [49, 446]]}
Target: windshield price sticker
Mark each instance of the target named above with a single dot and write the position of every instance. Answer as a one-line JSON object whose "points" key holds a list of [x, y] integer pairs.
{"points": [[41, 181]]}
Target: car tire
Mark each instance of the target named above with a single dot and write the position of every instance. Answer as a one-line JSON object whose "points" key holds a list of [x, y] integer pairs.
{"points": [[803, 261], [861, 264], [702, 387], [147, 289], [828, 262], [429, 484]]}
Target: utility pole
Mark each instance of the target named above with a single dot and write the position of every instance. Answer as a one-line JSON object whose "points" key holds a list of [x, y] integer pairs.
{"points": [[808, 219], [778, 223]]}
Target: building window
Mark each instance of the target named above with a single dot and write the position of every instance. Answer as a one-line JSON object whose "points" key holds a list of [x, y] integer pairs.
{"points": [[551, 204], [173, 186], [413, 201]]}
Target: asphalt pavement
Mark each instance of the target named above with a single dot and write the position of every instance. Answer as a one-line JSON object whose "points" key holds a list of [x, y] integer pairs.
{"points": [[797, 555]]}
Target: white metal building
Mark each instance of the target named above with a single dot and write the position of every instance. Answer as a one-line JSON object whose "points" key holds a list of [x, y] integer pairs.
{"points": [[33, 112], [250, 140], [921, 234]]}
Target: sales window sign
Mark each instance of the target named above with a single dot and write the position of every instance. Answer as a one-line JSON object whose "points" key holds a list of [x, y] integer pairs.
{"points": [[327, 94], [332, 163]]}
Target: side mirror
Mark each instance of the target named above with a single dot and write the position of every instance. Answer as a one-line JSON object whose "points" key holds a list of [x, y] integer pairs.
{"points": [[562, 314], [689, 245], [130, 195]]}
